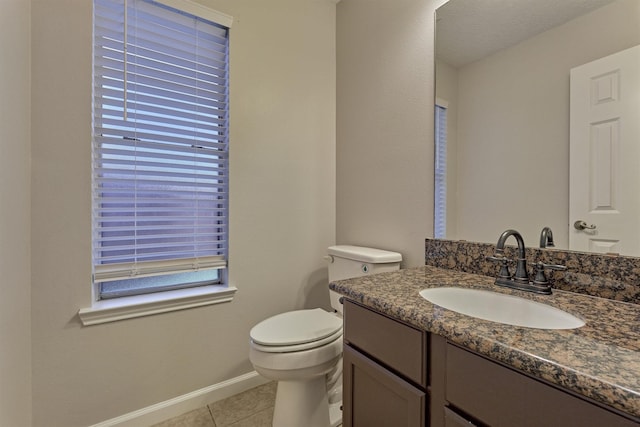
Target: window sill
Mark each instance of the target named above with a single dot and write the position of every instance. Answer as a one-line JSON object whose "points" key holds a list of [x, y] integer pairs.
{"points": [[162, 302]]}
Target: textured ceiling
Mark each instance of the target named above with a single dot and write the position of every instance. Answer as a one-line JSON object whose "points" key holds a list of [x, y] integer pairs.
{"points": [[468, 30]]}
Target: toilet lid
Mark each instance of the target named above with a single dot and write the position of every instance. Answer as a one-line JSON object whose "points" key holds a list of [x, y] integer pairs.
{"points": [[296, 327]]}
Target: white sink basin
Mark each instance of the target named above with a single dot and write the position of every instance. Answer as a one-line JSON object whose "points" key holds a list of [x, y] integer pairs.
{"points": [[501, 308]]}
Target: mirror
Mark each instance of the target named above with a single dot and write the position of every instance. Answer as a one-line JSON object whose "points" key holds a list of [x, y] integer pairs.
{"points": [[502, 69]]}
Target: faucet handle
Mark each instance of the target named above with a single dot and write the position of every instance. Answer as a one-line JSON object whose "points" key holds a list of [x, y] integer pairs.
{"points": [[557, 267], [539, 267], [504, 268]]}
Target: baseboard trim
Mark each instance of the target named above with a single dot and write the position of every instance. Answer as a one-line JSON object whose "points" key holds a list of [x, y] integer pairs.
{"points": [[187, 402]]}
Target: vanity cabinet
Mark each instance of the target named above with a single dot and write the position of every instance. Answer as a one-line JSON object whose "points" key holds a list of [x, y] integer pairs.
{"points": [[396, 375], [481, 392], [384, 371]]}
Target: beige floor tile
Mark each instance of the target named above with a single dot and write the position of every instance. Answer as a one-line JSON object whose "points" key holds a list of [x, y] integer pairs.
{"points": [[243, 405], [260, 419], [197, 418]]}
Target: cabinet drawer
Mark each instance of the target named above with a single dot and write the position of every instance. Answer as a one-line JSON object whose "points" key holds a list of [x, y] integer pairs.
{"points": [[398, 346], [499, 396]]}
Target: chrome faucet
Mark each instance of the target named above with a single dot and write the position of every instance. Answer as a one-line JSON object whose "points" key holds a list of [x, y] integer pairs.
{"points": [[546, 238], [520, 280]]}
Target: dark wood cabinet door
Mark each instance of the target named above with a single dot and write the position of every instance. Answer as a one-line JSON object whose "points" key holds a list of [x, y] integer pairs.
{"points": [[501, 397], [375, 397], [451, 419]]}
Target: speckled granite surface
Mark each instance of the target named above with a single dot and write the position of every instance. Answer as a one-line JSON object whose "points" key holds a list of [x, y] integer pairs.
{"points": [[601, 360], [606, 276]]}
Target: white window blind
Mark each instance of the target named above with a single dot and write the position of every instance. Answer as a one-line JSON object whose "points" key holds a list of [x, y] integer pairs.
{"points": [[440, 202], [160, 145]]}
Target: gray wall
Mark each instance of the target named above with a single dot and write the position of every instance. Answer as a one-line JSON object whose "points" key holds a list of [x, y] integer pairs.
{"points": [[385, 125], [284, 202], [15, 304], [282, 212]]}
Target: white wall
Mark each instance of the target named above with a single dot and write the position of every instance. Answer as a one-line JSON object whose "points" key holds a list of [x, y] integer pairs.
{"points": [[385, 125], [513, 156], [282, 212], [15, 305]]}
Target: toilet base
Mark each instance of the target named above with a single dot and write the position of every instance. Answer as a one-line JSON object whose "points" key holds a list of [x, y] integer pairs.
{"points": [[303, 403], [335, 414]]}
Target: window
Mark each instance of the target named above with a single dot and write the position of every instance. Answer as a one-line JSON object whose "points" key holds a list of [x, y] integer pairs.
{"points": [[440, 202], [160, 146]]}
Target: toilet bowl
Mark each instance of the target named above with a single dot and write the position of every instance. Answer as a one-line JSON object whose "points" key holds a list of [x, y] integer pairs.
{"points": [[302, 349], [298, 349]]}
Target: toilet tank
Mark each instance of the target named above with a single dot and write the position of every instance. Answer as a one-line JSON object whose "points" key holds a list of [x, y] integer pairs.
{"points": [[346, 262]]}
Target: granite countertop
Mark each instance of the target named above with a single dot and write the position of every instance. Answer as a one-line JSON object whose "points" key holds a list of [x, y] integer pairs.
{"points": [[600, 360]]}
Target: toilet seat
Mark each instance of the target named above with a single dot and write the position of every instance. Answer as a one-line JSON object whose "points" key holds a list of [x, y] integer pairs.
{"points": [[297, 347], [296, 331]]}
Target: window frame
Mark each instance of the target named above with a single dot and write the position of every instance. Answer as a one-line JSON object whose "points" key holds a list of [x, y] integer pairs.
{"points": [[440, 169], [196, 294]]}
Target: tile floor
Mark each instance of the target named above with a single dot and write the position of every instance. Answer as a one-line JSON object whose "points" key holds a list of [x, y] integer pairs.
{"points": [[251, 408]]}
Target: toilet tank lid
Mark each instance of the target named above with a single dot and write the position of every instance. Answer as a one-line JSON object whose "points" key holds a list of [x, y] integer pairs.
{"points": [[360, 253]]}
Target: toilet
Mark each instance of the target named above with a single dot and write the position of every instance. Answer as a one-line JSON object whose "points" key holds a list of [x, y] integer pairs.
{"points": [[302, 349]]}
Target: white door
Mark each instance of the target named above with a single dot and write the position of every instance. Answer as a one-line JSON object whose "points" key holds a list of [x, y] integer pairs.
{"points": [[604, 183]]}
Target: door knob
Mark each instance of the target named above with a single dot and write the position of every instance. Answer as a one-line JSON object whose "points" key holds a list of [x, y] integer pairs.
{"points": [[581, 225]]}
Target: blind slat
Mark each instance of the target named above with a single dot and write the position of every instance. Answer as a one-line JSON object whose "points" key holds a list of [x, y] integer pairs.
{"points": [[110, 272], [154, 97], [149, 130], [159, 241], [153, 73], [162, 148], [112, 96], [112, 46], [118, 224], [168, 116], [146, 133]]}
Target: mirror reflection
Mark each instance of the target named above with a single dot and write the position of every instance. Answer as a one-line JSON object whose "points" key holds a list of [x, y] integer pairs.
{"points": [[503, 72]]}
